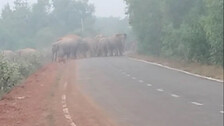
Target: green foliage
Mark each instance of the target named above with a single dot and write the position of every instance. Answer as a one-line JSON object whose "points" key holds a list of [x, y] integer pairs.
{"points": [[145, 18], [9, 74], [213, 25], [186, 29], [12, 72]]}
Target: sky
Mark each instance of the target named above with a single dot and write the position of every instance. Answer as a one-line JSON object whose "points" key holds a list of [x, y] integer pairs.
{"points": [[103, 8]]}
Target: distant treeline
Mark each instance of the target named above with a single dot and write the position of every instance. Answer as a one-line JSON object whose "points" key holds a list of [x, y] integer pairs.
{"points": [[190, 30], [40, 24]]}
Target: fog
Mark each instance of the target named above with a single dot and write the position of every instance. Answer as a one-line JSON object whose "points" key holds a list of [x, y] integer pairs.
{"points": [[111, 62], [103, 8], [184, 30]]}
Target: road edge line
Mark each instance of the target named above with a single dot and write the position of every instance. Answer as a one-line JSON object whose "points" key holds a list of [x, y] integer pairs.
{"points": [[175, 69]]}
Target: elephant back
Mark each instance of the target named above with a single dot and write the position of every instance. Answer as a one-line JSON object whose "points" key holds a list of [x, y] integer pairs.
{"points": [[8, 54], [68, 42], [27, 52]]}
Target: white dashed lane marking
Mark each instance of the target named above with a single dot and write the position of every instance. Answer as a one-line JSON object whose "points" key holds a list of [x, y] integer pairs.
{"points": [[73, 124], [128, 75], [160, 90], [65, 108], [66, 111], [175, 96], [63, 97], [196, 103], [149, 85], [141, 81]]}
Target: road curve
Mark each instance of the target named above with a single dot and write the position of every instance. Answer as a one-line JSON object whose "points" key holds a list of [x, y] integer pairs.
{"points": [[140, 94]]}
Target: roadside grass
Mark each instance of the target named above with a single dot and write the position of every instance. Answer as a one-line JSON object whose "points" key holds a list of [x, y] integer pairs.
{"points": [[212, 71]]}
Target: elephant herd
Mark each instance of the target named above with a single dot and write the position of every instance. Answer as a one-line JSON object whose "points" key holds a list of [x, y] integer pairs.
{"points": [[74, 46], [12, 55]]}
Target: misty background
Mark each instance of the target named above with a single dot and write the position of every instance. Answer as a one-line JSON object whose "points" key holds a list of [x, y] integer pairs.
{"points": [[189, 30], [103, 8]]}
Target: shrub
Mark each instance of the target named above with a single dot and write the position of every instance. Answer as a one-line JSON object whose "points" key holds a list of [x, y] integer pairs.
{"points": [[9, 74], [12, 72]]}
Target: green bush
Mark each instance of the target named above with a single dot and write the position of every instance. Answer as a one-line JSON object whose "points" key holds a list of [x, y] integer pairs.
{"points": [[29, 64], [9, 74], [12, 72]]}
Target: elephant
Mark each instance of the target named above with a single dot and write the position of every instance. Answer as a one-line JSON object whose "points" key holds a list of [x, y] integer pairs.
{"points": [[97, 37], [98, 44], [94, 45], [9, 55], [117, 44], [87, 46], [55, 48], [83, 48], [103, 46], [66, 47], [27, 52]]}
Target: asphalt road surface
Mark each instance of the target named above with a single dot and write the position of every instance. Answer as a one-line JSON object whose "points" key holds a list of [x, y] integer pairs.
{"points": [[135, 93]]}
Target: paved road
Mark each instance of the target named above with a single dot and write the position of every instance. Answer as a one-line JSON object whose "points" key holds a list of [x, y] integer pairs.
{"points": [[139, 94]]}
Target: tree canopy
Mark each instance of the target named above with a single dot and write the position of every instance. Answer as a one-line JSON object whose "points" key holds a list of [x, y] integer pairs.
{"points": [[186, 29]]}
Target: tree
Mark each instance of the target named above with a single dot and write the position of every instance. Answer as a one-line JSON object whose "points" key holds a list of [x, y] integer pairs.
{"points": [[146, 20], [186, 29], [69, 14], [42, 23], [213, 24], [40, 13]]}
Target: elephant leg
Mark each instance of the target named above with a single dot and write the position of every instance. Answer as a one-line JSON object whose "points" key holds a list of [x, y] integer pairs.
{"points": [[94, 53], [53, 56], [111, 52], [85, 55], [98, 53], [75, 54], [116, 52], [121, 52], [56, 56], [106, 52], [67, 56], [52, 59], [101, 52]]}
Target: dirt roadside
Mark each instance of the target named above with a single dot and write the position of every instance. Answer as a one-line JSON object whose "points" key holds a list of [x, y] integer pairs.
{"points": [[50, 97], [196, 68]]}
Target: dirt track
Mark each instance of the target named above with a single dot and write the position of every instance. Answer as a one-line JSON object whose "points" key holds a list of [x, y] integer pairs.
{"points": [[50, 97]]}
